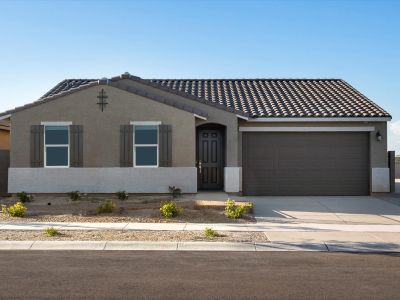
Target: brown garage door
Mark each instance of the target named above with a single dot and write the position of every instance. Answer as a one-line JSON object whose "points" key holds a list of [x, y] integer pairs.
{"points": [[312, 163]]}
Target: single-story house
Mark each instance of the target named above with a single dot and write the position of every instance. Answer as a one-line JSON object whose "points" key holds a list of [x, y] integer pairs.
{"points": [[250, 136]]}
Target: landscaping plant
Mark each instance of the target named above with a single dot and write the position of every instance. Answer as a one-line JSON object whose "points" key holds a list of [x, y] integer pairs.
{"points": [[122, 195], [106, 207], [24, 197], [51, 231], [16, 210], [169, 209], [175, 191], [234, 211], [74, 195], [210, 233]]}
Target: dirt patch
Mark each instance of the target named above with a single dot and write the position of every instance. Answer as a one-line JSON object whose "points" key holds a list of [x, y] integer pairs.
{"points": [[112, 235], [144, 209]]}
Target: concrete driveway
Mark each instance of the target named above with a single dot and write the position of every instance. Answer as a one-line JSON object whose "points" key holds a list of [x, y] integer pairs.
{"points": [[381, 209], [347, 210]]}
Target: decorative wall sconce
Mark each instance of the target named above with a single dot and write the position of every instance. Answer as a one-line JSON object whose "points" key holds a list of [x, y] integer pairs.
{"points": [[378, 136]]}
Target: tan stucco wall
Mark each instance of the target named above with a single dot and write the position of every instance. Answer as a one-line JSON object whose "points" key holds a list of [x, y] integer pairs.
{"points": [[215, 115], [101, 146], [378, 149], [101, 129], [4, 139]]}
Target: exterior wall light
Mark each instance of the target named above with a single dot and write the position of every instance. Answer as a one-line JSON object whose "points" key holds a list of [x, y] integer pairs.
{"points": [[378, 136]]}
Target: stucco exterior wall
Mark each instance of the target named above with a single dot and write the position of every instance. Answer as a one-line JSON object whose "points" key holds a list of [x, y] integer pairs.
{"points": [[101, 130], [215, 115], [102, 180]]}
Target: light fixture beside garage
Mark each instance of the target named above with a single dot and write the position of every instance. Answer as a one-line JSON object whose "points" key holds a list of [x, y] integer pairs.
{"points": [[378, 136]]}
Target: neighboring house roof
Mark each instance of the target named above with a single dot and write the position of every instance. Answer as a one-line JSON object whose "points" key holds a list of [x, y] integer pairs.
{"points": [[267, 98]]}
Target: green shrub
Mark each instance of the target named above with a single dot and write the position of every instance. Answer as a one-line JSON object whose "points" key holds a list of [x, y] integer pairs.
{"points": [[210, 233], [51, 231], [24, 197], [106, 207], [74, 195], [122, 195], [16, 210], [234, 211], [175, 191], [169, 209]]}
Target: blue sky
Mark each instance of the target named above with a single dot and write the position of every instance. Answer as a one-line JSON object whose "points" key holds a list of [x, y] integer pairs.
{"points": [[43, 42]]}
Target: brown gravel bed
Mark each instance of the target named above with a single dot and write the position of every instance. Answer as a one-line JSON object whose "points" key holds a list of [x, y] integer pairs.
{"points": [[189, 216], [138, 209], [112, 235]]}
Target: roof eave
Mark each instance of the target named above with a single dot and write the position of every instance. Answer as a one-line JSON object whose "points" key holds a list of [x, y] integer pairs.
{"points": [[325, 119]]}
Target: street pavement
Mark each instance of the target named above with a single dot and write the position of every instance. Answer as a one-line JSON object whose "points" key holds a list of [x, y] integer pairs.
{"points": [[197, 275]]}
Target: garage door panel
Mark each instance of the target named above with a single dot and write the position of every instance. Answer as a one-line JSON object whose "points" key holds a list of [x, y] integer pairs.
{"points": [[305, 163]]}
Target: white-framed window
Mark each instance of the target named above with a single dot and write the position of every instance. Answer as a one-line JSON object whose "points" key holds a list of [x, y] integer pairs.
{"points": [[56, 144], [145, 144]]}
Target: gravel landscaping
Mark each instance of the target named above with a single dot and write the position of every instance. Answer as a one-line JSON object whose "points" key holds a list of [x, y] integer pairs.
{"points": [[113, 235], [144, 209]]}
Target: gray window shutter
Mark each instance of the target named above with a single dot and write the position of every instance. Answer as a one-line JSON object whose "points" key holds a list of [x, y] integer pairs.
{"points": [[76, 146], [37, 144], [126, 146], [165, 145]]}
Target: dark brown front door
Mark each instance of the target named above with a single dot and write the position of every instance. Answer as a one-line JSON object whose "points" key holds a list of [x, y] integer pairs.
{"points": [[210, 159]]}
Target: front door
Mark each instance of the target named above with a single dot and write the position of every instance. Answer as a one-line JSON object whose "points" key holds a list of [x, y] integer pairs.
{"points": [[210, 159]]}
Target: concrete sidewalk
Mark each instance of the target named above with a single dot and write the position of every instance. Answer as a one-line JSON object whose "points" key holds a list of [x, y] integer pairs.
{"points": [[195, 246], [249, 227]]}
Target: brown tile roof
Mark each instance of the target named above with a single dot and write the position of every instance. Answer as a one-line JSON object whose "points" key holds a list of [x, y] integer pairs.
{"points": [[281, 97], [305, 98]]}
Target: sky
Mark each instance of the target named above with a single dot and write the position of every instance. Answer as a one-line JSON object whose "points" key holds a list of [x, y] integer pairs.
{"points": [[44, 42]]}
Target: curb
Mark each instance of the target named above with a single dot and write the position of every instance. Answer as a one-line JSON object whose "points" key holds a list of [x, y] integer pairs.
{"points": [[191, 246]]}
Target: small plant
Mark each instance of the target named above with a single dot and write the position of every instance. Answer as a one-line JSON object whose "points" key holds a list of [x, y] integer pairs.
{"points": [[106, 207], [51, 231], [210, 233], [74, 195], [234, 211], [175, 191], [122, 195], [24, 197], [16, 210], [169, 209]]}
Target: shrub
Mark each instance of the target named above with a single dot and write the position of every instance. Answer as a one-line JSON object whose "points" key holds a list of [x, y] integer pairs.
{"points": [[106, 207], [51, 231], [74, 195], [24, 197], [16, 210], [175, 191], [210, 233], [169, 209], [122, 195], [234, 211]]}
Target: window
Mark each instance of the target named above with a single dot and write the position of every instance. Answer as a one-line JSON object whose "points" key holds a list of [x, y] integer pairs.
{"points": [[56, 146], [145, 145]]}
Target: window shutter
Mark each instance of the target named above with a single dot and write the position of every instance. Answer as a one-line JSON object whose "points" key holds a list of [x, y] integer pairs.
{"points": [[37, 144], [126, 146], [76, 146], [165, 145]]}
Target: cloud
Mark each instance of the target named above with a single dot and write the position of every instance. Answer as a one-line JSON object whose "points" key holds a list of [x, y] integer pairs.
{"points": [[394, 136]]}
